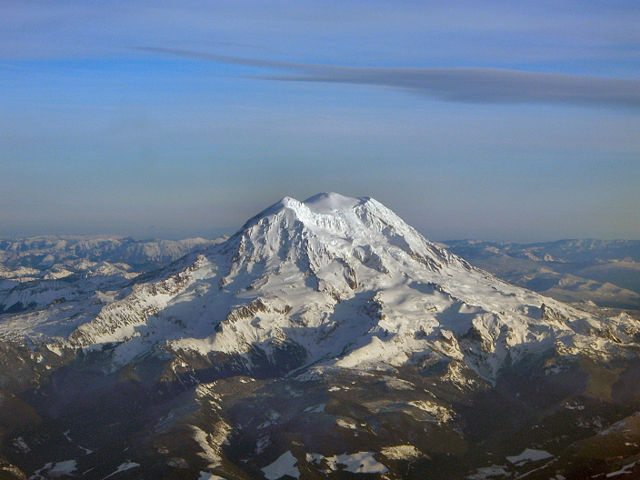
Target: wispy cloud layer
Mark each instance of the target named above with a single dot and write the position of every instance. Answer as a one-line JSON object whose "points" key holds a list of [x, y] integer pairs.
{"points": [[472, 85]]}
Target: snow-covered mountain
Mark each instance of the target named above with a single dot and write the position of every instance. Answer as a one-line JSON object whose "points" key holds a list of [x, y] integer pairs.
{"points": [[328, 333], [346, 283]]}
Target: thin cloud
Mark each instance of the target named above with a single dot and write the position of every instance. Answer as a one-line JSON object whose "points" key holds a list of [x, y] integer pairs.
{"points": [[471, 85]]}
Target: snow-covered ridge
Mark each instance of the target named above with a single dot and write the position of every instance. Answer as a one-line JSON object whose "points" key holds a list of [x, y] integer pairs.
{"points": [[116, 321]]}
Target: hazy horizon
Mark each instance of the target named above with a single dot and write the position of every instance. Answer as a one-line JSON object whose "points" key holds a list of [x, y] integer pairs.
{"points": [[518, 121], [164, 233]]}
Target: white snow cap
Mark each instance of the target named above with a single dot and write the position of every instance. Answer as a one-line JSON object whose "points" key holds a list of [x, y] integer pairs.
{"points": [[331, 225], [328, 201]]}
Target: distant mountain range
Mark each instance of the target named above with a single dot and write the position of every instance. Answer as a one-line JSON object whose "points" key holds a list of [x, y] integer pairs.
{"points": [[325, 339], [605, 272]]}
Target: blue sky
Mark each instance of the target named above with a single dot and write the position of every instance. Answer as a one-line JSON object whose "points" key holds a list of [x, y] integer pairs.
{"points": [[491, 120]]}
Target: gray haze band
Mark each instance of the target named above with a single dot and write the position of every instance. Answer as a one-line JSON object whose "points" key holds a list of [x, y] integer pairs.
{"points": [[471, 85]]}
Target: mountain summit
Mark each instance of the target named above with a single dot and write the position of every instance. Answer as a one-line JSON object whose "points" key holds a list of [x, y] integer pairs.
{"points": [[333, 225]]}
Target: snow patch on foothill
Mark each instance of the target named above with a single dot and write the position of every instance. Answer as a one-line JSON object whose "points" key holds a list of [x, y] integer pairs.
{"points": [[359, 462], [529, 455], [285, 464]]}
